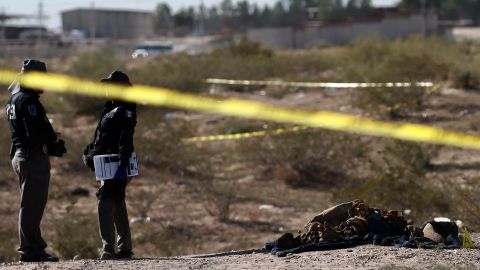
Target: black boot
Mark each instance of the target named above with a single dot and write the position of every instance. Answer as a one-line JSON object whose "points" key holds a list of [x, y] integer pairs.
{"points": [[124, 254]]}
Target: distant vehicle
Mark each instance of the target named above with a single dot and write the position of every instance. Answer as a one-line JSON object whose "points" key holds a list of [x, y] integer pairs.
{"points": [[139, 53], [148, 49]]}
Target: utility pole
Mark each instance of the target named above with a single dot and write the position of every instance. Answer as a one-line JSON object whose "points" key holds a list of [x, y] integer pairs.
{"points": [[93, 23], [3, 32], [423, 11], [201, 26], [41, 14], [41, 50]]}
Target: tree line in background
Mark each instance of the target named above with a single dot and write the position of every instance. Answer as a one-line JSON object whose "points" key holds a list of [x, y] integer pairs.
{"points": [[448, 9], [229, 16]]}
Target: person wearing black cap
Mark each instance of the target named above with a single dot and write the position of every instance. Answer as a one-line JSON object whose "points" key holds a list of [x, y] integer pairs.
{"points": [[31, 134], [115, 136]]}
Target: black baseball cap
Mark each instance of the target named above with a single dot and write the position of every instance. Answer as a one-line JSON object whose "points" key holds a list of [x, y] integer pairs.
{"points": [[117, 77]]}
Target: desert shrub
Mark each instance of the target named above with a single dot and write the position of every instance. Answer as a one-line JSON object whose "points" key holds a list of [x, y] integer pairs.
{"points": [[218, 196], [141, 201], [468, 76], [75, 144], [465, 195], [9, 242], [405, 60], [235, 126], [242, 60], [6, 172], [398, 180], [309, 65], [170, 240], [162, 143], [180, 72], [306, 158], [239, 60], [184, 72], [92, 65], [244, 48], [410, 59], [95, 65], [77, 234]]}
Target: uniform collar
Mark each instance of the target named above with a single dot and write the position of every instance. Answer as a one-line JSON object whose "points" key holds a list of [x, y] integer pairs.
{"points": [[15, 87], [111, 105], [29, 91]]}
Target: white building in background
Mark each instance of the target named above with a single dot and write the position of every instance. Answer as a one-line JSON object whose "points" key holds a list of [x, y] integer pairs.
{"points": [[109, 23], [463, 33], [388, 24]]}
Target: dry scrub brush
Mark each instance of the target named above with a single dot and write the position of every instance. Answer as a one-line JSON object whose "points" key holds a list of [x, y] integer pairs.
{"points": [[8, 240], [411, 59], [308, 158], [170, 240], [398, 180], [76, 234]]}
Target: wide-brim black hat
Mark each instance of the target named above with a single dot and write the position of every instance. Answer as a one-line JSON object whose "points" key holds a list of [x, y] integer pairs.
{"points": [[33, 65], [27, 66], [117, 77]]}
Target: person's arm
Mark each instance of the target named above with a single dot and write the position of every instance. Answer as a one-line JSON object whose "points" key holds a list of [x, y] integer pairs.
{"points": [[128, 122], [126, 136]]}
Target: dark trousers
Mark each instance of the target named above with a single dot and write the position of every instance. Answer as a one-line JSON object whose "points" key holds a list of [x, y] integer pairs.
{"points": [[33, 175], [112, 215]]}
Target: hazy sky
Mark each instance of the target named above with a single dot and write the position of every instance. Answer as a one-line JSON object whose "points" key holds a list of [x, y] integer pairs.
{"points": [[52, 8]]}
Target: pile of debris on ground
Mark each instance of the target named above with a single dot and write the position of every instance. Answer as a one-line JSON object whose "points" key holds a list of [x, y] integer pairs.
{"points": [[356, 223]]}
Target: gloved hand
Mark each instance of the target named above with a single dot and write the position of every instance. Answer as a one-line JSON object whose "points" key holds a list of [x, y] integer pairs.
{"points": [[121, 173]]}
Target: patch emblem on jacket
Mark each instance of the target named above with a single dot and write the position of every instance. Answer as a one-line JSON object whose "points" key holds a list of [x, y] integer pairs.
{"points": [[128, 114], [32, 110]]}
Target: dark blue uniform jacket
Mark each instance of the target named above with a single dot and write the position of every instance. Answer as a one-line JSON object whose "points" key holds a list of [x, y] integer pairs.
{"points": [[116, 129], [29, 125], [115, 136]]}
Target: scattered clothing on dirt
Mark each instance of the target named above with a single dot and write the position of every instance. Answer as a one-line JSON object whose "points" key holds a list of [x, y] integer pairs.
{"points": [[356, 223]]}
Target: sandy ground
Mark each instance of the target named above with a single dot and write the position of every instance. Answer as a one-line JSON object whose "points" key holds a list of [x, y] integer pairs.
{"points": [[363, 257]]}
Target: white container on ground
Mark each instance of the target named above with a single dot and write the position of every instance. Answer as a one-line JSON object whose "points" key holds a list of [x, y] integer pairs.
{"points": [[106, 166]]}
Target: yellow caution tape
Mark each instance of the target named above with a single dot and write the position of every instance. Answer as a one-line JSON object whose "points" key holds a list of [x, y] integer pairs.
{"points": [[236, 136], [320, 84], [467, 240], [241, 108]]}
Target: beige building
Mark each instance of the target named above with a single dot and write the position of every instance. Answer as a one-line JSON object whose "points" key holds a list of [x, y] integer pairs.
{"points": [[109, 23], [389, 25]]}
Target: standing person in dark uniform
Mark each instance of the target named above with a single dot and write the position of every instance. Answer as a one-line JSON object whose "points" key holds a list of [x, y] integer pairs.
{"points": [[115, 136], [31, 132]]}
